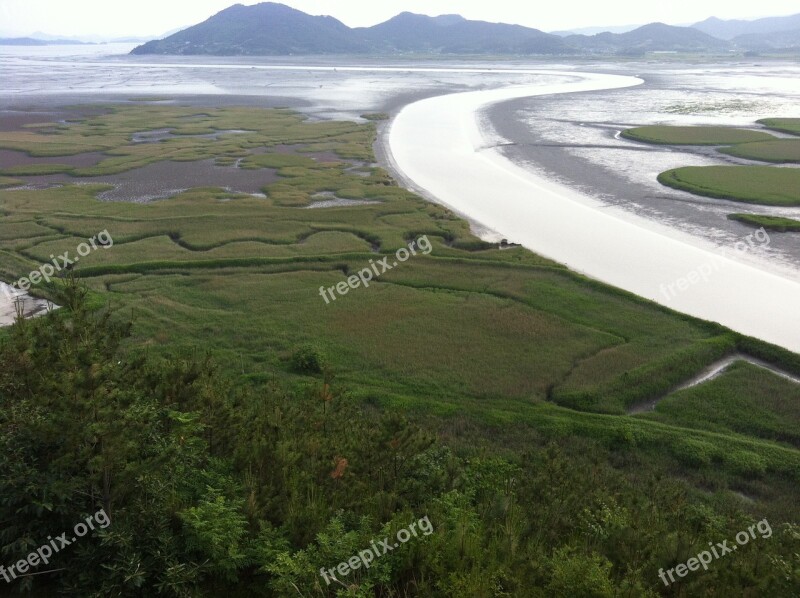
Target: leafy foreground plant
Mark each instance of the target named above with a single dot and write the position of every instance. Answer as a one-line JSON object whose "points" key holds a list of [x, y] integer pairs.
{"points": [[214, 490]]}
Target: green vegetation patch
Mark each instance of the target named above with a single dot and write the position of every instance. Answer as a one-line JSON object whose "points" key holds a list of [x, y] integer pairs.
{"points": [[745, 399], [294, 452], [774, 223], [268, 485], [9, 182], [763, 185], [375, 116], [778, 151], [150, 99], [666, 135], [112, 132], [36, 169], [785, 125], [278, 161]]}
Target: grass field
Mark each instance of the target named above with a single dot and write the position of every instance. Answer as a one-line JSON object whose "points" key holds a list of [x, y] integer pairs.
{"points": [[762, 185], [785, 125], [776, 223], [780, 151], [35, 169], [747, 184], [469, 331], [669, 135], [745, 399], [8, 181]]}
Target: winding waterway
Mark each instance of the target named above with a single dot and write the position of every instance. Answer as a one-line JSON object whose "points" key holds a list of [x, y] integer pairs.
{"points": [[440, 147]]}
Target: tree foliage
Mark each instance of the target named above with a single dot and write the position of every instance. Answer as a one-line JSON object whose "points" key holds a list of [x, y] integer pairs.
{"points": [[213, 487]]}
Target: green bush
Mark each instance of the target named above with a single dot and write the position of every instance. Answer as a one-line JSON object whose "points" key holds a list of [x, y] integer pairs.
{"points": [[746, 463], [693, 453], [308, 359], [375, 116]]}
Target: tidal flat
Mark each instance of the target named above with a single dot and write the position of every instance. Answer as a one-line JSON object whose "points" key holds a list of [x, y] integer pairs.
{"points": [[214, 250]]}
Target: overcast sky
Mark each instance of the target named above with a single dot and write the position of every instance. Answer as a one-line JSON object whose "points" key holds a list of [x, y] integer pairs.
{"points": [[115, 18]]}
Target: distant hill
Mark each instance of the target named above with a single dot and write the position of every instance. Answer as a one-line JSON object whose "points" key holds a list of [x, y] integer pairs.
{"points": [[596, 30], [452, 34], [275, 29], [262, 29], [655, 37], [731, 29], [30, 41], [278, 30], [21, 41], [769, 42]]}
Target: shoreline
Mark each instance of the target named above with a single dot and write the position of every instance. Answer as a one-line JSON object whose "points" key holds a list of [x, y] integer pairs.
{"points": [[31, 306], [557, 222]]}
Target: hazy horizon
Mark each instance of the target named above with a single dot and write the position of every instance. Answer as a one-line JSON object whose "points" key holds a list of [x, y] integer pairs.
{"points": [[150, 19]]}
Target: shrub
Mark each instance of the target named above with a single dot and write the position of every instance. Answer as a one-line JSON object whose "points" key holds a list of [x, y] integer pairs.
{"points": [[746, 463], [693, 453], [308, 359]]}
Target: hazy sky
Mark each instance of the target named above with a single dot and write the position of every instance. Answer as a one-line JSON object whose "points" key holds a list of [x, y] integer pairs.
{"points": [[111, 18]]}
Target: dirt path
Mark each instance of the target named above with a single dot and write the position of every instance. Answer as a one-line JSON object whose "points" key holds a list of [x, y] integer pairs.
{"points": [[711, 372]]}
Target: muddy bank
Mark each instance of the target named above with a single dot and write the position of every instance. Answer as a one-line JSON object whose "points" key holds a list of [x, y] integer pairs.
{"points": [[160, 180], [14, 302], [12, 159], [575, 140]]}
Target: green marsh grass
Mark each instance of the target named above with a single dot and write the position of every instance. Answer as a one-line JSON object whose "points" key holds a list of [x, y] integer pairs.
{"points": [[670, 135], [745, 399], [764, 185], [785, 125], [779, 151], [773, 223], [469, 331]]}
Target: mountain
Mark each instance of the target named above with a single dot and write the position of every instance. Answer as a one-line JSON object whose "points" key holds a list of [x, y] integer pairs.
{"points": [[261, 29], [61, 39], [278, 30], [30, 41], [275, 29], [127, 40], [40, 38], [596, 30], [21, 41], [731, 29], [655, 37], [769, 42], [452, 34]]}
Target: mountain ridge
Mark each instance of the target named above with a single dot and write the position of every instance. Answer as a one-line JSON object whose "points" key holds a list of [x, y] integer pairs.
{"points": [[731, 29], [274, 29], [653, 37], [33, 41]]}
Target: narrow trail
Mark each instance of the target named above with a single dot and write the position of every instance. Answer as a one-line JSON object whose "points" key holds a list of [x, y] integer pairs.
{"points": [[711, 372]]}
